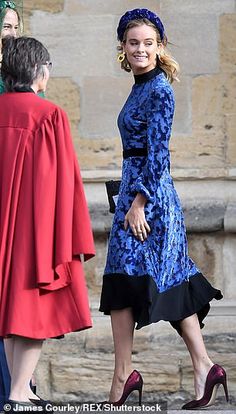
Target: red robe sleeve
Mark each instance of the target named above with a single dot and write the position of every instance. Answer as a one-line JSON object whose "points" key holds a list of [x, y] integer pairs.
{"points": [[61, 219]]}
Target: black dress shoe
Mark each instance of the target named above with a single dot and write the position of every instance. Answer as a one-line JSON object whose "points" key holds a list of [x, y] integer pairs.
{"points": [[33, 387], [40, 402]]}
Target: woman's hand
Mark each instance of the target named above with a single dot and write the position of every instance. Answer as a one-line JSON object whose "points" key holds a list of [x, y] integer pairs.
{"points": [[135, 218]]}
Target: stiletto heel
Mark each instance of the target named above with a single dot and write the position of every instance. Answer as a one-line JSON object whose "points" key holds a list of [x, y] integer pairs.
{"points": [[225, 389], [133, 383], [140, 395], [215, 377]]}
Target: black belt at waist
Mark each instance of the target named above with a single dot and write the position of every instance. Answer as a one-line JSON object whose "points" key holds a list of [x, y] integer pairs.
{"points": [[135, 152]]}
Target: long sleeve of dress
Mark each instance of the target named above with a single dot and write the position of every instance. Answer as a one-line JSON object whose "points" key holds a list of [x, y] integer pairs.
{"points": [[160, 110]]}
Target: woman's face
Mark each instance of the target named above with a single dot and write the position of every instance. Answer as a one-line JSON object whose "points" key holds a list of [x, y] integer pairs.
{"points": [[10, 25], [141, 48]]}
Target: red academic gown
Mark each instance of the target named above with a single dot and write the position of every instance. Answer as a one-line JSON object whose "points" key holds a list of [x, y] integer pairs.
{"points": [[44, 222]]}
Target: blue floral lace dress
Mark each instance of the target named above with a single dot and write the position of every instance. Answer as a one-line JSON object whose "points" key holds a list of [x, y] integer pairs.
{"points": [[156, 278]]}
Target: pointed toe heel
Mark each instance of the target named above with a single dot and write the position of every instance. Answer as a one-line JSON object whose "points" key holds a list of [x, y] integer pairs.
{"points": [[215, 377], [133, 383]]}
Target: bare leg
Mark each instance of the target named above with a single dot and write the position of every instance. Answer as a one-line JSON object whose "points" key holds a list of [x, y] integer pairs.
{"points": [[123, 330], [9, 350], [192, 337], [25, 358]]}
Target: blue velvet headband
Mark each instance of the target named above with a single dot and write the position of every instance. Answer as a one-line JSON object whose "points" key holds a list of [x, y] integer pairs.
{"points": [[139, 14]]}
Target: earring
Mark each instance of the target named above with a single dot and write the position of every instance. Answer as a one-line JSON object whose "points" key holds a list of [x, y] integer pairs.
{"points": [[121, 57]]}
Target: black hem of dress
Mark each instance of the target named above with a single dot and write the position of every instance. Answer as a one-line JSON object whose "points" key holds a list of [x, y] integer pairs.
{"points": [[121, 291]]}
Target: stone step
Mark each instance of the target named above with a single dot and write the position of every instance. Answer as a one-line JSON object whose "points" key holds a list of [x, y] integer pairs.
{"points": [[80, 366]]}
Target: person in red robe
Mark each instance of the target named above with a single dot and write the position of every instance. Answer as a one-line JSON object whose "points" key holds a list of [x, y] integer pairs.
{"points": [[10, 25], [45, 228]]}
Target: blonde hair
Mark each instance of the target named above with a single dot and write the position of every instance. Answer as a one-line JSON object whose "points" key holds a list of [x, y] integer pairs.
{"points": [[165, 61]]}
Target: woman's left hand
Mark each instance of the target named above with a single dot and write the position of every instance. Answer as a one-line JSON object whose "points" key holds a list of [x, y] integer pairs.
{"points": [[135, 218]]}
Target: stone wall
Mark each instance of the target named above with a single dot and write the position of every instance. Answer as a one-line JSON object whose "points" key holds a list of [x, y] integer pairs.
{"points": [[203, 142], [87, 82]]}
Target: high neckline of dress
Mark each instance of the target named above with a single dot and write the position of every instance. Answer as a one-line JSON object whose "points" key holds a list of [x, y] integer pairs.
{"points": [[144, 77]]}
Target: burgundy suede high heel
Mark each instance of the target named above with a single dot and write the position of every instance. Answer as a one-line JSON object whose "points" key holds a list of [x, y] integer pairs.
{"points": [[133, 383], [215, 377]]}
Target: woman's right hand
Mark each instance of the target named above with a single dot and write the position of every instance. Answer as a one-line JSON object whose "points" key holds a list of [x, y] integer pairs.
{"points": [[135, 218]]}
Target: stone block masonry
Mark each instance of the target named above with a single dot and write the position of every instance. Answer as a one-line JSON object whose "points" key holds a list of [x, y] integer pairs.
{"points": [[88, 83]]}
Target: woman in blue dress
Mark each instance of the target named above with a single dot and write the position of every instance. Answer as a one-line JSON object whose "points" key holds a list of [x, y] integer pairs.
{"points": [[148, 275]]}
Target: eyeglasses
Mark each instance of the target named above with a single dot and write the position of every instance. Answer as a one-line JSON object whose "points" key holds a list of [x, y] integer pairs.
{"points": [[49, 65]]}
